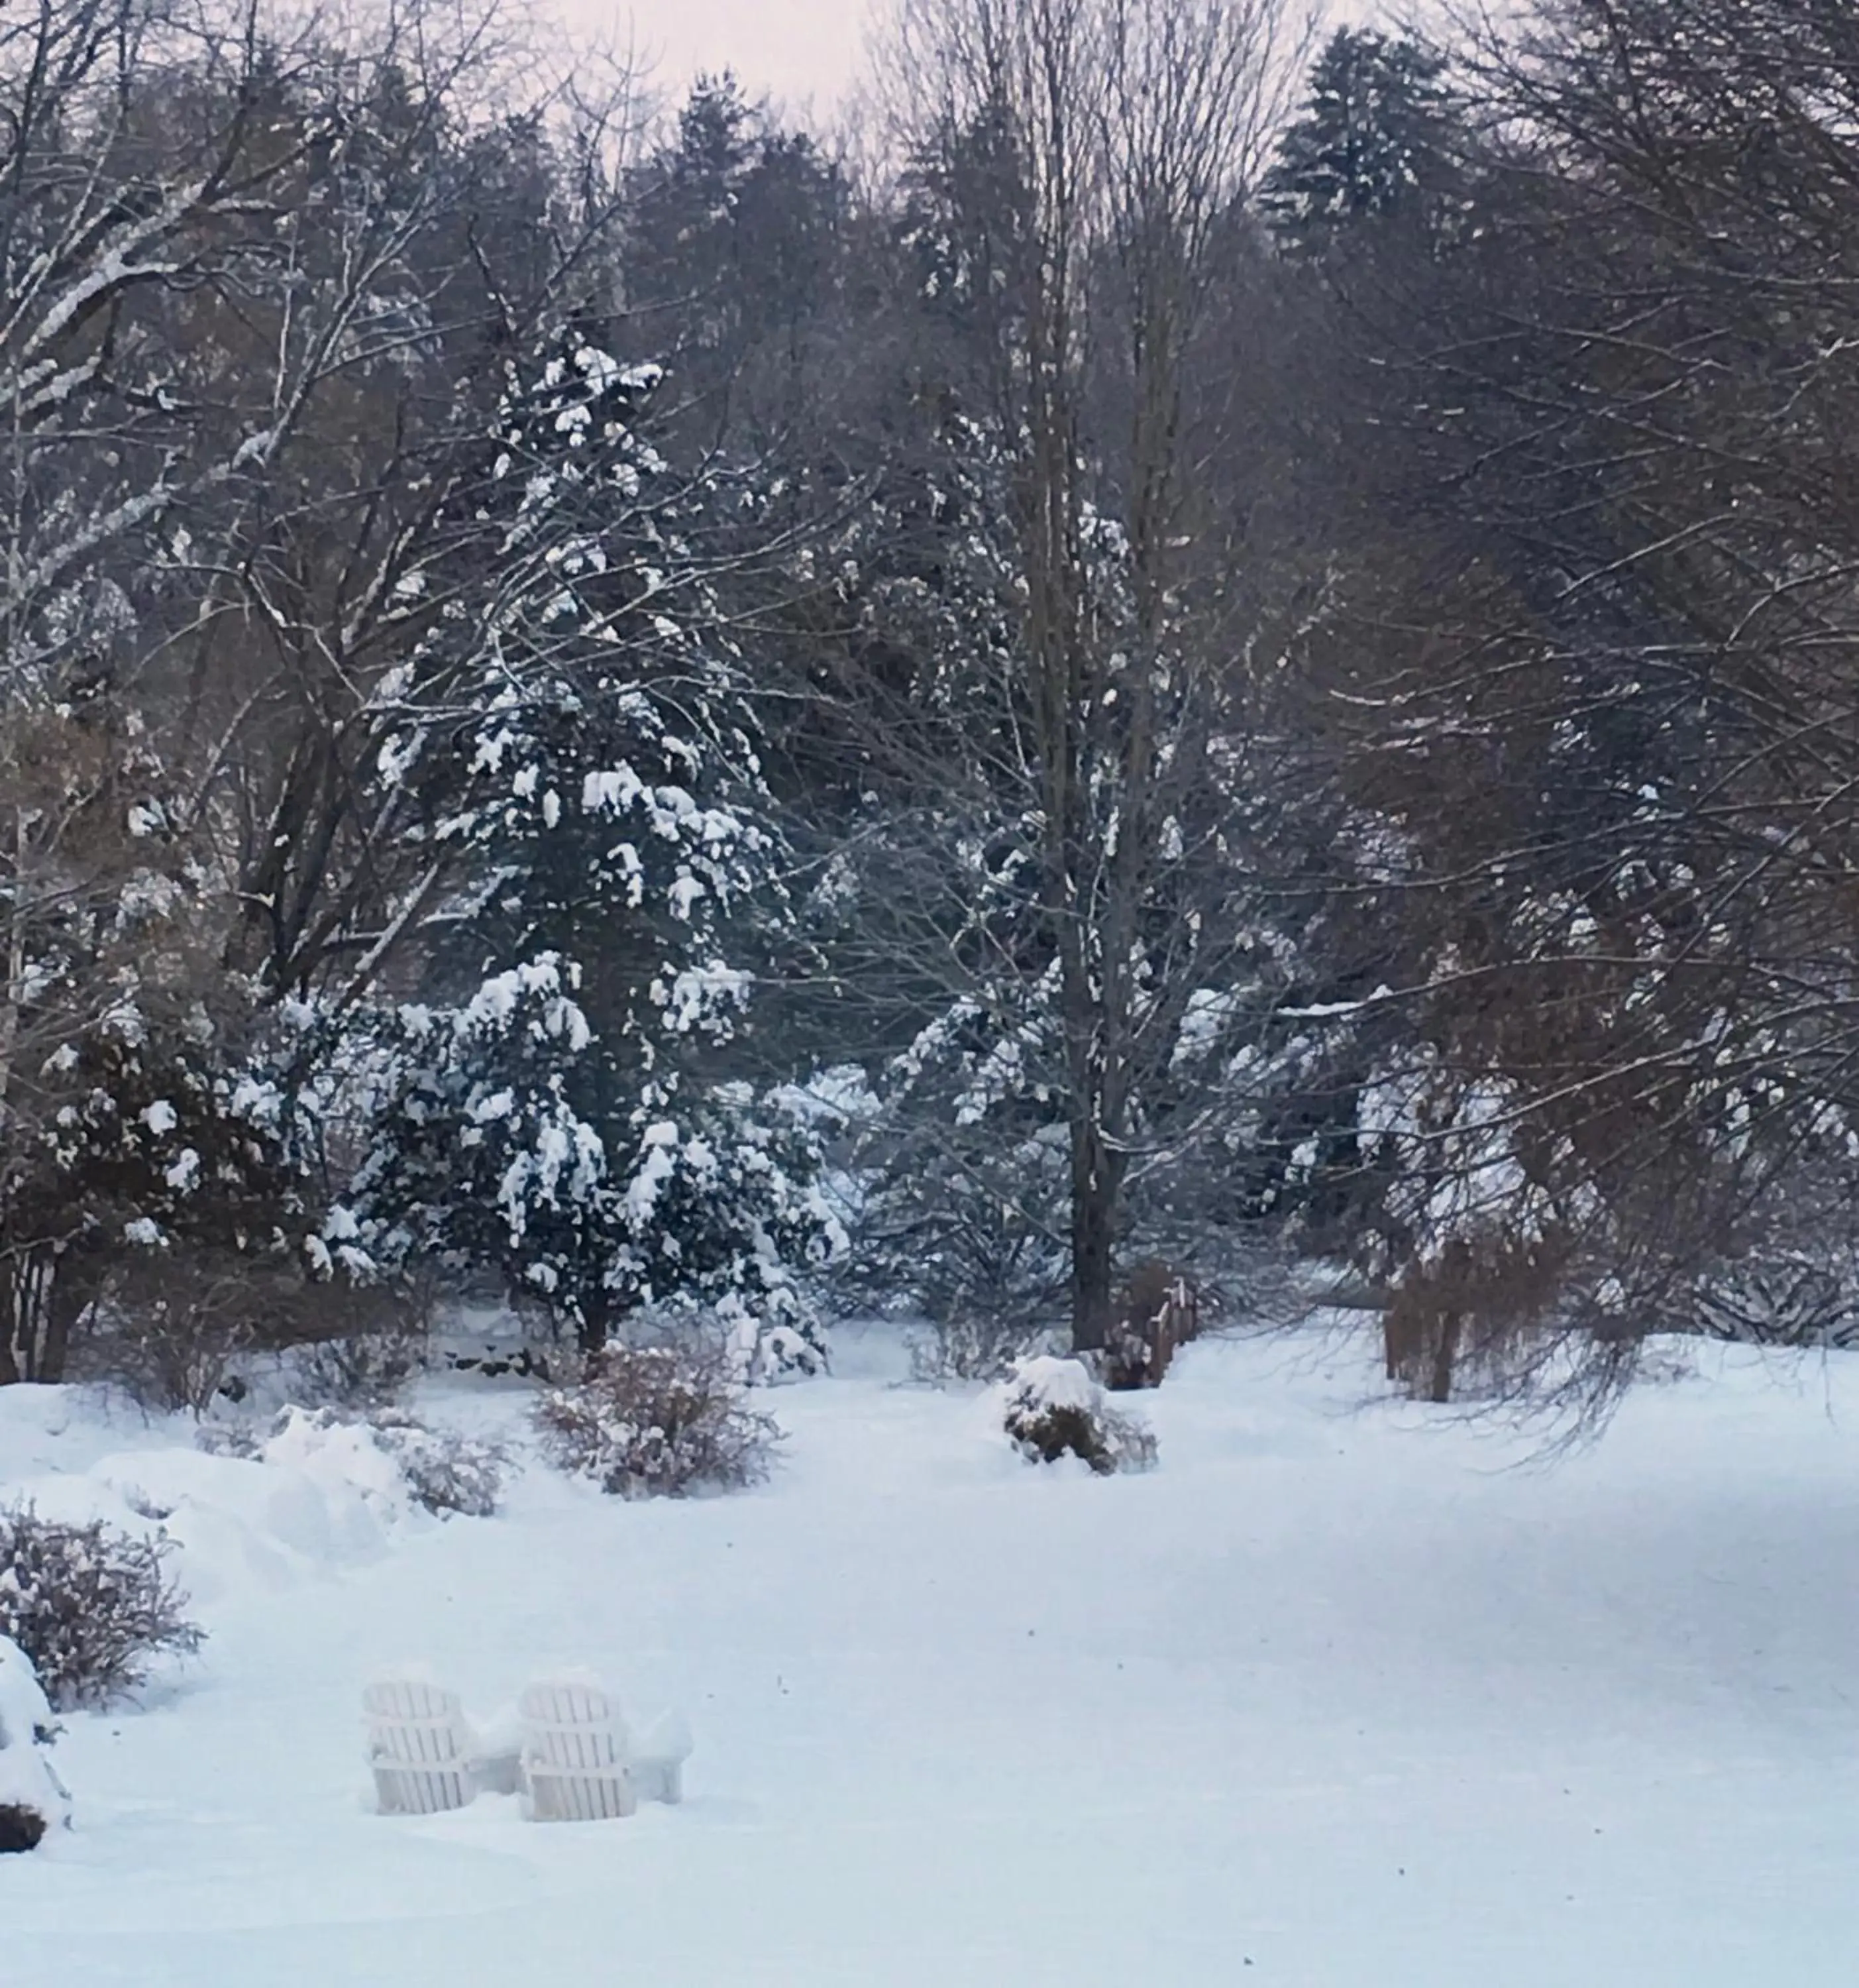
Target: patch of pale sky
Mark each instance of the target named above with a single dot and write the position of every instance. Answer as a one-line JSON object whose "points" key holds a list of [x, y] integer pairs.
{"points": [[801, 52]]}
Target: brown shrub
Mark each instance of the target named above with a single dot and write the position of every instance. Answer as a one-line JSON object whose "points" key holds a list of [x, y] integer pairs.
{"points": [[177, 1327], [1158, 1311], [1470, 1313], [657, 1421], [89, 1606], [1054, 1409], [20, 1828]]}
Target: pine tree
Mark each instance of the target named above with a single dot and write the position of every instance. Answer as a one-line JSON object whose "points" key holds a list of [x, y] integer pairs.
{"points": [[732, 252], [562, 1111], [1375, 137]]}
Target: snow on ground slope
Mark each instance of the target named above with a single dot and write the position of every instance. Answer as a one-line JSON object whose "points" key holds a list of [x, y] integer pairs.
{"points": [[1336, 1697]]}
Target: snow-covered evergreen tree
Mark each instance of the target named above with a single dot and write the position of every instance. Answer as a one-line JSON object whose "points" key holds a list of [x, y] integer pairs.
{"points": [[563, 1107], [1374, 136]]}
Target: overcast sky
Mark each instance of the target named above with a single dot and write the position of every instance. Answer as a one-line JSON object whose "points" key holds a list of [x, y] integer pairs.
{"points": [[795, 50]]}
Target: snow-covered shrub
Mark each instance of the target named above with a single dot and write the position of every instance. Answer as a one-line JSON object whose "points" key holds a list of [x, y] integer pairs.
{"points": [[974, 1346], [767, 1354], [446, 1471], [236, 1439], [90, 1606], [657, 1421], [442, 1471], [1052, 1408], [778, 1340], [32, 1799], [361, 1370]]}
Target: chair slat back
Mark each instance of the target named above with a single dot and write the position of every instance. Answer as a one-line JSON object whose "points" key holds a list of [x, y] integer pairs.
{"points": [[418, 1743], [576, 1749]]}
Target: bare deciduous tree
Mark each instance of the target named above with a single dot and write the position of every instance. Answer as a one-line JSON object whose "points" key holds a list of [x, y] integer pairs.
{"points": [[1115, 141]]}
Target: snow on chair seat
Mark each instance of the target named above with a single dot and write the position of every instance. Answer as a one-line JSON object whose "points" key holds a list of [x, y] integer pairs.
{"points": [[575, 1763], [658, 1766], [419, 1746]]}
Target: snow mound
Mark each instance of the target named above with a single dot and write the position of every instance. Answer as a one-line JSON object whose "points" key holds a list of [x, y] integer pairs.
{"points": [[1045, 1381], [44, 1429], [26, 1779], [339, 1457], [315, 1496]]}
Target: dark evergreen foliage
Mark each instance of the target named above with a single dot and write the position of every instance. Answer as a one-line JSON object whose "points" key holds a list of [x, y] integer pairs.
{"points": [[1378, 135]]}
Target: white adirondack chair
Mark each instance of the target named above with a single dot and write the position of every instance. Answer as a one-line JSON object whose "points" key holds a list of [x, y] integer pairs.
{"points": [[420, 1747], [576, 1765]]}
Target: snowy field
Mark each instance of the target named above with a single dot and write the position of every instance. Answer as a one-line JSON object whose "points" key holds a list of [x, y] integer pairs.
{"points": [[1338, 1697]]}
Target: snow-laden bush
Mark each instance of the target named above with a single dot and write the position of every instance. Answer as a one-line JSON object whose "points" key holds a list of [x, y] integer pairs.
{"points": [[239, 1439], [442, 1471], [91, 1607], [361, 1370], [1052, 1408], [973, 1346], [32, 1799], [769, 1355], [657, 1421], [769, 1348], [179, 1333], [780, 1339], [446, 1471]]}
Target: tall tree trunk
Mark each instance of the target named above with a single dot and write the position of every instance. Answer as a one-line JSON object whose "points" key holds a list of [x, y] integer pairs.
{"points": [[1446, 1328], [75, 1284], [19, 1317], [45, 1297], [1133, 126], [594, 1327], [1096, 1184]]}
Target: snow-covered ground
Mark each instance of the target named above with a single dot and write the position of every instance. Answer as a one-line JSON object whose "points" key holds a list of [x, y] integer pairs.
{"points": [[1339, 1696]]}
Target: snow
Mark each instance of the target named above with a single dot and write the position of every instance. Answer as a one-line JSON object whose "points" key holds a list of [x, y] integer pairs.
{"points": [[1207, 1014], [496, 1002], [830, 1098], [658, 1164], [1046, 1383], [703, 994], [27, 1780], [312, 1503], [1343, 1695], [24, 1712]]}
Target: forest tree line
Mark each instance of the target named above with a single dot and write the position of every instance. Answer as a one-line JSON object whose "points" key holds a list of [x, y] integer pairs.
{"points": [[1209, 649]]}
